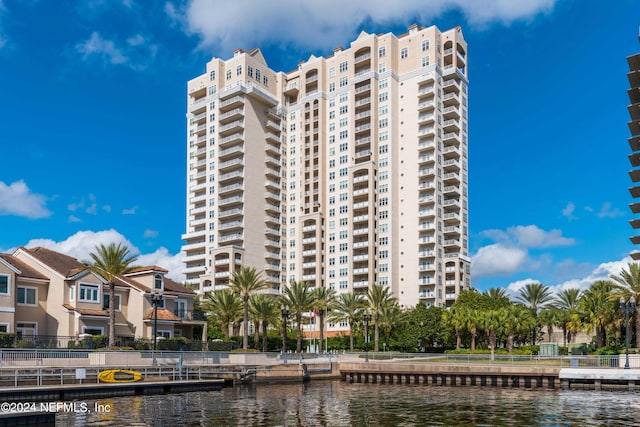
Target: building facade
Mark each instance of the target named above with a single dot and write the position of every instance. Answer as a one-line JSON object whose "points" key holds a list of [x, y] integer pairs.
{"points": [[44, 293], [348, 171], [634, 140]]}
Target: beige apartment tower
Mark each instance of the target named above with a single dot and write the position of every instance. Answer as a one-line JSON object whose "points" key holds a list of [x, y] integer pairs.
{"points": [[348, 171]]}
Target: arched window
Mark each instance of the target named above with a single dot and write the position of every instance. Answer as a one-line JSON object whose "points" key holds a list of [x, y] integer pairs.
{"points": [[157, 281]]}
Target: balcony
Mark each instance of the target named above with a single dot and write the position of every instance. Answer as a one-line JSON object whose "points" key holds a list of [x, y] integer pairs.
{"points": [[228, 188], [360, 284], [230, 212], [230, 175], [231, 200], [230, 237], [230, 115], [229, 225]]}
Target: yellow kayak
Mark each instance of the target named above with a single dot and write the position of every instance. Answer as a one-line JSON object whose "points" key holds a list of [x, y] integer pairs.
{"points": [[119, 376]]}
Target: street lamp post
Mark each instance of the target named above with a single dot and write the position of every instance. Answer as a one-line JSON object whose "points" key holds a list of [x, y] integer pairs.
{"points": [[156, 299], [627, 307], [285, 315], [367, 319]]}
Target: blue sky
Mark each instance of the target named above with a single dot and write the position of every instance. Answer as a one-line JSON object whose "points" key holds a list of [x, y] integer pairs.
{"points": [[92, 127]]}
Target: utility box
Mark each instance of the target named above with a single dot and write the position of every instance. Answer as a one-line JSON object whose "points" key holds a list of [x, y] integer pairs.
{"points": [[549, 349], [578, 349]]}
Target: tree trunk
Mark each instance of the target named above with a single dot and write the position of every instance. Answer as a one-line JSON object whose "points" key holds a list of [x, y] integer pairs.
{"points": [[376, 332], [458, 339], [492, 344], [256, 335], [245, 324], [321, 319], [112, 314], [351, 337], [299, 333], [264, 336], [473, 339], [510, 341]]}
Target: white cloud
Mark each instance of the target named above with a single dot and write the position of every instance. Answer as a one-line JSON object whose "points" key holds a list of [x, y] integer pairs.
{"points": [[81, 244], [497, 260], [529, 236], [103, 48], [131, 211], [606, 211], [150, 234], [568, 211], [17, 199], [328, 23], [601, 272], [73, 218], [3, 10]]}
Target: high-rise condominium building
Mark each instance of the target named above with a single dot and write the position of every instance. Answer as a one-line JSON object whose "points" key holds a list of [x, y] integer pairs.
{"points": [[348, 171], [634, 140]]}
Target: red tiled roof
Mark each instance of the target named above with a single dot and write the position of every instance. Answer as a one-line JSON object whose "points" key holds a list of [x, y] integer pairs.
{"points": [[86, 311], [25, 270], [63, 264], [148, 268], [163, 314]]}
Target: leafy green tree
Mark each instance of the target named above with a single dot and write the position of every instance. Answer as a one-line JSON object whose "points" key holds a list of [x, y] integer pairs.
{"points": [[598, 309], [265, 312], [535, 296], [455, 318], [109, 262], [496, 298], [299, 297], [628, 285], [378, 296], [348, 307], [549, 317], [517, 320], [567, 301], [224, 308], [245, 281], [323, 300], [390, 319], [492, 323]]}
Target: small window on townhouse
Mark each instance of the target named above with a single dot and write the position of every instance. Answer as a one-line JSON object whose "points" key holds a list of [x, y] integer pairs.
{"points": [[265, 80], [344, 66], [212, 75], [257, 74], [88, 293], [4, 284], [404, 52], [157, 282], [239, 70], [27, 296], [4, 327], [382, 51], [105, 302], [228, 74], [425, 61], [72, 293], [425, 45], [249, 70]]}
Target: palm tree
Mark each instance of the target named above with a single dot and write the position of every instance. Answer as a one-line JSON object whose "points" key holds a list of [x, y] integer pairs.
{"points": [[598, 309], [567, 300], [491, 322], [515, 318], [323, 299], [378, 297], [224, 307], [390, 317], [497, 297], [549, 317], [455, 317], [244, 282], [109, 262], [472, 322], [535, 296], [264, 311], [299, 298], [347, 308], [628, 284]]}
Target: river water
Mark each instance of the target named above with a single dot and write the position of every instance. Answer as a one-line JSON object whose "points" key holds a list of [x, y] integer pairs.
{"points": [[336, 403]]}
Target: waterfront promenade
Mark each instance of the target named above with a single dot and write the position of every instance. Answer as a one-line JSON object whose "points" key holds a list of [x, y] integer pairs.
{"points": [[39, 370]]}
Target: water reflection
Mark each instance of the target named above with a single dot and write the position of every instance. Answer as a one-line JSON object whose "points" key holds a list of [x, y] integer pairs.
{"points": [[335, 403]]}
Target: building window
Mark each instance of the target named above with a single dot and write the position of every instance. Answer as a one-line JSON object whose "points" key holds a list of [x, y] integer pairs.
{"points": [[404, 52], [257, 74], [344, 222], [228, 74], [344, 134], [344, 81], [88, 293], [344, 109], [382, 51], [344, 66], [27, 328], [384, 254], [344, 97], [382, 67], [212, 75], [383, 123], [332, 87], [249, 70], [105, 302], [4, 284], [27, 296], [4, 327], [265, 80], [93, 330], [425, 61], [239, 70], [157, 282], [425, 45]]}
